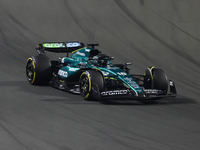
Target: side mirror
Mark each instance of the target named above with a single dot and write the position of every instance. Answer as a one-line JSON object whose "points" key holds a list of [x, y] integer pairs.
{"points": [[111, 58], [128, 63]]}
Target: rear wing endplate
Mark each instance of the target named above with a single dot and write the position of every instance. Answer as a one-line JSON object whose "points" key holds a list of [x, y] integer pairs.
{"points": [[59, 47]]}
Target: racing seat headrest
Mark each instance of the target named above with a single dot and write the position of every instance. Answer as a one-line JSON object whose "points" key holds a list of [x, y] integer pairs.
{"points": [[94, 52]]}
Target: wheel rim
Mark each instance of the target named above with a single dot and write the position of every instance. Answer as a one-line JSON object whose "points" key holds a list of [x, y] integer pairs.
{"points": [[85, 86], [30, 70]]}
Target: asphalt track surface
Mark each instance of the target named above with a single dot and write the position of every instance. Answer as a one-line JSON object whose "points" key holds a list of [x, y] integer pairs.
{"points": [[164, 33]]}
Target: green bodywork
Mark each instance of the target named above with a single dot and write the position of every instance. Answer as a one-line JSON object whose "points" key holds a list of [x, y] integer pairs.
{"points": [[80, 58]]}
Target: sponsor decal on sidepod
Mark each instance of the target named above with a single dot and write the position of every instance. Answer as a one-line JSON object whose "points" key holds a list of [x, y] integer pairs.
{"points": [[63, 73]]}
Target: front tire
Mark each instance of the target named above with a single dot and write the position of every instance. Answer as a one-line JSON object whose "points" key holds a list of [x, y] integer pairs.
{"points": [[91, 84], [160, 80], [156, 79], [38, 70]]}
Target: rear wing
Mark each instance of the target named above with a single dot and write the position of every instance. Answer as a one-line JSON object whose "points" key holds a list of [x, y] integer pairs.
{"points": [[59, 47]]}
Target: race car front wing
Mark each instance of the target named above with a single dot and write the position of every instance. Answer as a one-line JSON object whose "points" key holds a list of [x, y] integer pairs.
{"points": [[146, 94]]}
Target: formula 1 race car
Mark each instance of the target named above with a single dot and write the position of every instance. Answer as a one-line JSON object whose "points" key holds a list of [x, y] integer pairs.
{"points": [[91, 74]]}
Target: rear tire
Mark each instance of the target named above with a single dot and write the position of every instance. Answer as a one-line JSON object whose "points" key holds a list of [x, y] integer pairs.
{"points": [[91, 84], [38, 70]]}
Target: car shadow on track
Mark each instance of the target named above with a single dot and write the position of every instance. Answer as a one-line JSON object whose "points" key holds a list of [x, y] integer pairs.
{"points": [[164, 101], [68, 98]]}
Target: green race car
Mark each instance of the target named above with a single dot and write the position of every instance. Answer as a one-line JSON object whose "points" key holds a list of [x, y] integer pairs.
{"points": [[91, 74]]}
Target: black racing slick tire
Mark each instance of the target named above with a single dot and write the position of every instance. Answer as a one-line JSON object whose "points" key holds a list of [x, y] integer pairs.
{"points": [[156, 79], [160, 80], [38, 70], [91, 84]]}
